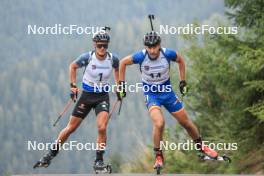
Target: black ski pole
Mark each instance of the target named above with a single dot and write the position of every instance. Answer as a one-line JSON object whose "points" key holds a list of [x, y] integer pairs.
{"points": [[66, 107], [120, 106], [151, 17], [113, 109]]}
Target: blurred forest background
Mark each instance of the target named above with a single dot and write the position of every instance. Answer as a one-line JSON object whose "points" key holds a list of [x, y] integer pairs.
{"points": [[225, 73]]}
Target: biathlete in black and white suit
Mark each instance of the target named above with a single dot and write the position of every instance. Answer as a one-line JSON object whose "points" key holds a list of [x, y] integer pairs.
{"points": [[99, 65]]}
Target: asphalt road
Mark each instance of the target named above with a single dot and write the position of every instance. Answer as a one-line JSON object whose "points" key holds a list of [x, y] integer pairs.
{"points": [[125, 175]]}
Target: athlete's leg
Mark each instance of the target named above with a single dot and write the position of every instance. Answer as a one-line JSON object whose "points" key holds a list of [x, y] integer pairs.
{"points": [[174, 106], [102, 120], [102, 113], [154, 107], [80, 111], [183, 119], [158, 124], [73, 124], [158, 128]]}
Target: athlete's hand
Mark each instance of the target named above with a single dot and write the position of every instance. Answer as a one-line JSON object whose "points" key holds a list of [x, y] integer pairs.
{"points": [[183, 87], [74, 92], [121, 90]]}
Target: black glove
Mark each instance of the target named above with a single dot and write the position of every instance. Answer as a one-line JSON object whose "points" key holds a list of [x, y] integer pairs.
{"points": [[74, 92], [183, 87], [121, 91]]}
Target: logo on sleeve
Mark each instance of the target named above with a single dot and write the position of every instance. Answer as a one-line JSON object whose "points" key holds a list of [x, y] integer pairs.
{"points": [[82, 106]]}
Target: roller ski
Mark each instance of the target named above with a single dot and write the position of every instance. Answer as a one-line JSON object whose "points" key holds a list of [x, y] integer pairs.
{"points": [[101, 168], [205, 157], [158, 162], [209, 154], [46, 159]]}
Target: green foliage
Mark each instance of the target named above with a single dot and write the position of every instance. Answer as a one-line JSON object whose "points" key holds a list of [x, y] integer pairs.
{"points": [[225, 74], [247, 13], [35, 84], [116, 161]]}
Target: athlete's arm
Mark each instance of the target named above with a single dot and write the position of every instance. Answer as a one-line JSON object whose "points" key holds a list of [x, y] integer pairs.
{"points": [[73, 72], [81, 61], [116, 68], [122, 68], [181, 64], [116, 75], [74, 89]]}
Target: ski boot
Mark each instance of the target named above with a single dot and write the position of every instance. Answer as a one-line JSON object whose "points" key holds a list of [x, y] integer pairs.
{"points": [[207, 153], [46, 159], [100, 167], [159, 160]]}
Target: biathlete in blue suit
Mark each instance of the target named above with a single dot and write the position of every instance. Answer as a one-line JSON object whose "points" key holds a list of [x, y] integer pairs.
{"points": [[154, 63]]}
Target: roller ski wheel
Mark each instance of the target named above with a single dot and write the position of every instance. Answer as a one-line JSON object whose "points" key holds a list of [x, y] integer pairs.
{"points": [[205, 157], [158, 169], [226, 158], [158, 164], [101, 168]]}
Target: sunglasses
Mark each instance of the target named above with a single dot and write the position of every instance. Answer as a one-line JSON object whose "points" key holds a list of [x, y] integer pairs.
{"points": [[102, 45]]}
